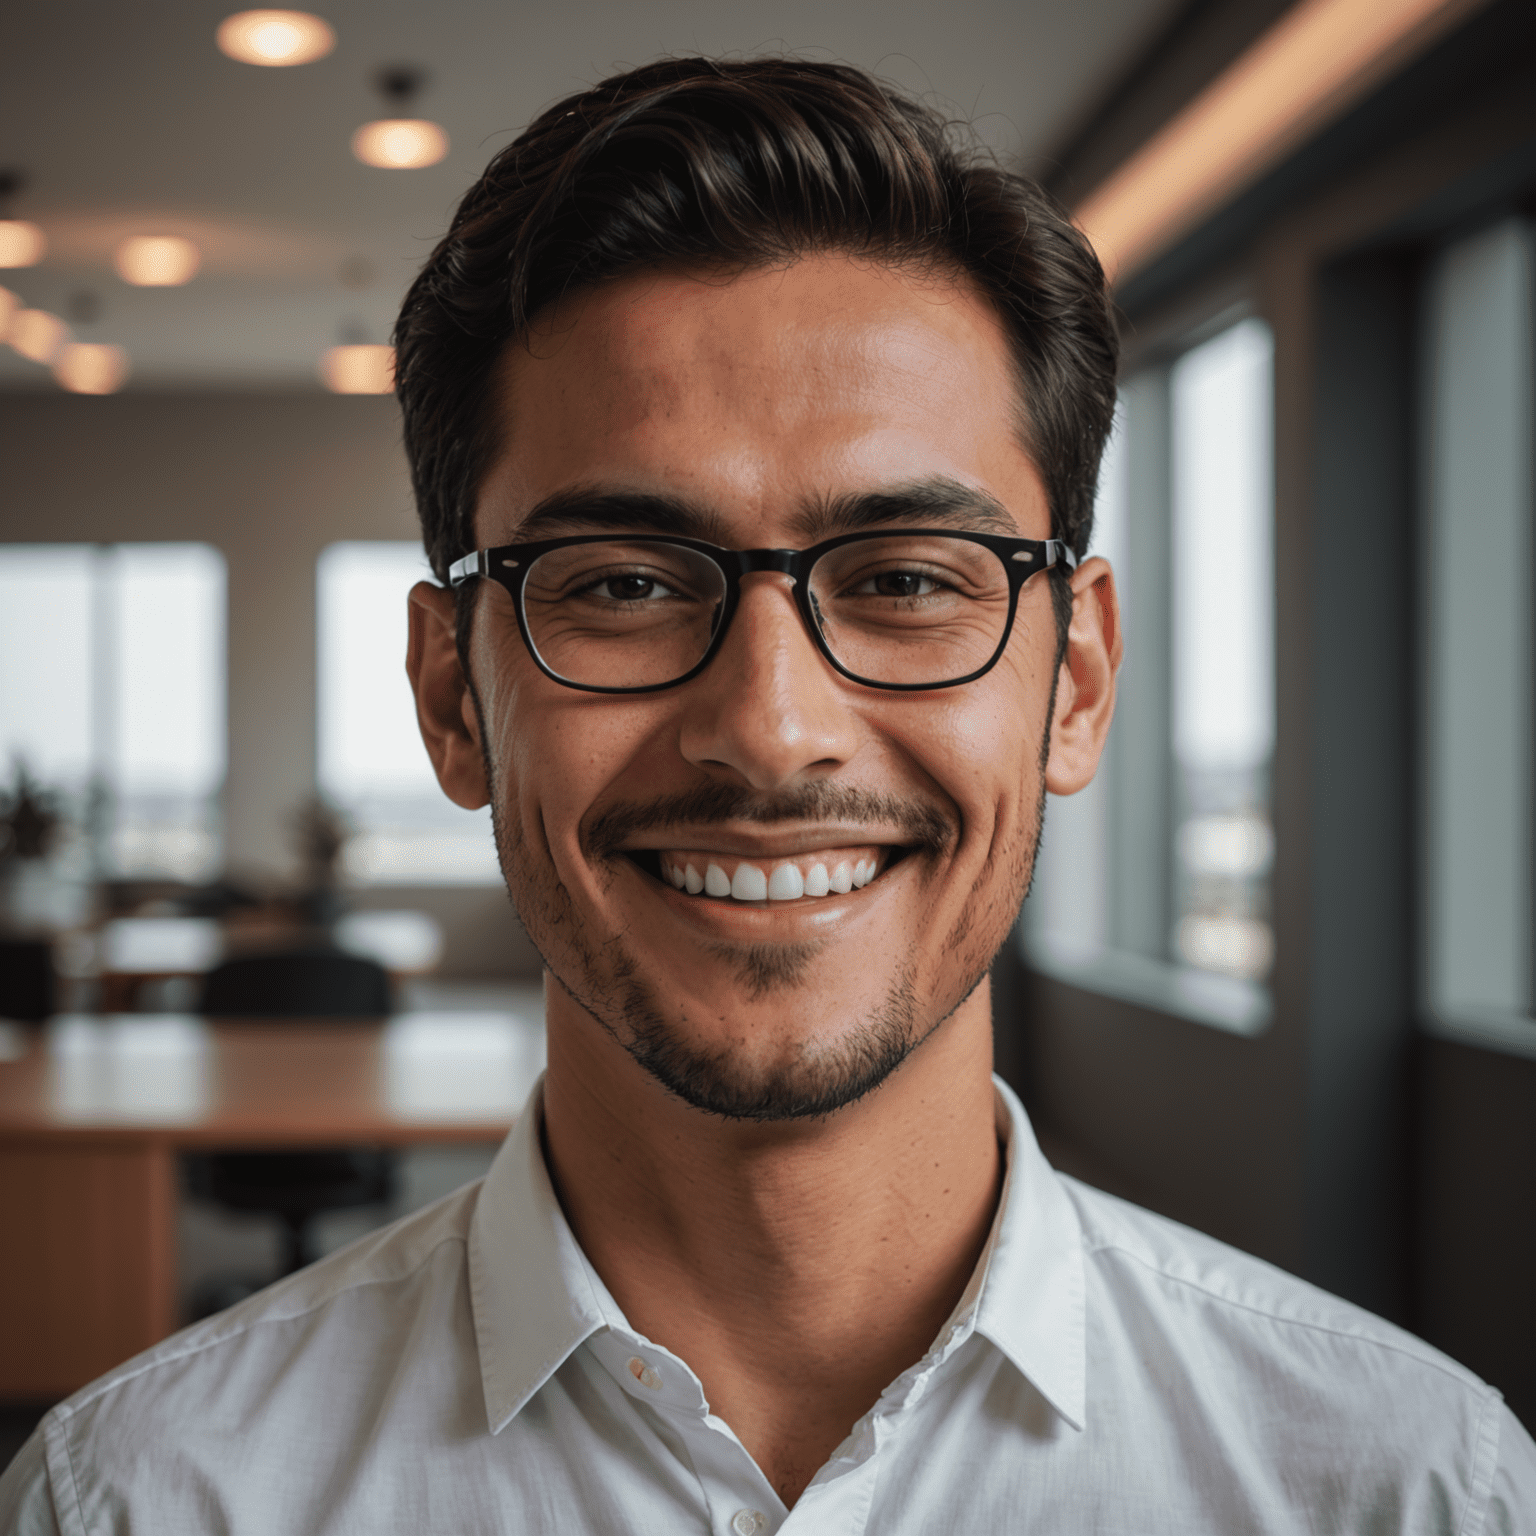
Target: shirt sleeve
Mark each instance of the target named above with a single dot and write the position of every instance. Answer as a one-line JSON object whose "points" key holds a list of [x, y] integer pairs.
{"points": [[1512, 1499], [26, 1500]]}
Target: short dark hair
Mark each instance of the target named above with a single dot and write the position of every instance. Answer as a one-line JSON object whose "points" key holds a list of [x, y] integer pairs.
{"points": [[745, 163]]}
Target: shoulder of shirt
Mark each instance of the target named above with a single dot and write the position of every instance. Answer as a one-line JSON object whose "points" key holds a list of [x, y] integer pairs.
{"points": [[390, 1255], [1140, 1244]]}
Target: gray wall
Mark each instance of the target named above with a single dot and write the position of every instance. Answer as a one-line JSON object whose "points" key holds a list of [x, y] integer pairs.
{"points": [[270, 479]]}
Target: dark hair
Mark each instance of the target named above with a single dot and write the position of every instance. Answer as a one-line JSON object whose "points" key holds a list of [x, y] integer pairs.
{"points": [[744, 163]]}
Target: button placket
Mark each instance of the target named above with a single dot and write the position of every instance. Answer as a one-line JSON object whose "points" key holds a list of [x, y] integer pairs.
{"points": [[748, 1522]]}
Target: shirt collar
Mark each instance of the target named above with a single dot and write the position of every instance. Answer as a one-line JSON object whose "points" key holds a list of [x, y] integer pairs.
{"points": [[536, 1298], [1032, 1301], [531, 1288]]}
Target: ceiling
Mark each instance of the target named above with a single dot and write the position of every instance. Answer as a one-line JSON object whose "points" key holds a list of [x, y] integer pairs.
{"points": [[125, 119]]}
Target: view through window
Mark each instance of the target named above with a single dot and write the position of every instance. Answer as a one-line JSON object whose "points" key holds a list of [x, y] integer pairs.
{"points": [[112, 679], [1153, 883], [1479, 636], [372, 764], [1223, 652]]}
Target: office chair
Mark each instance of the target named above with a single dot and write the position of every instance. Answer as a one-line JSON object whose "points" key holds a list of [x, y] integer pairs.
{"points": [[295, 1186], [298, 984], [27, 990]]}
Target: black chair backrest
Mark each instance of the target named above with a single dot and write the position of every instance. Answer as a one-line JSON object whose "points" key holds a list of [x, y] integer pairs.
{"points": [[26, 979], [309, 984]]}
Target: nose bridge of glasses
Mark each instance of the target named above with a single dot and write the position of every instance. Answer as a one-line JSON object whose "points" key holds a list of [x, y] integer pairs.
{"points": [[750, 562], [768, 564]]}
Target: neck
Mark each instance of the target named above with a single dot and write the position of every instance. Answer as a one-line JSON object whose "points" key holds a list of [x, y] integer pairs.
{"points": [[797, 1268]]}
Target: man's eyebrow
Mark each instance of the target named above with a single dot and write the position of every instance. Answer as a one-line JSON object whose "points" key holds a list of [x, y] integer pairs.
{"points": [[939, 502], [591, 509]]}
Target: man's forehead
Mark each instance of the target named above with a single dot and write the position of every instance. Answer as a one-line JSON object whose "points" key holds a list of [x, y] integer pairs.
{"points": [[815, 389], [834, 302]]}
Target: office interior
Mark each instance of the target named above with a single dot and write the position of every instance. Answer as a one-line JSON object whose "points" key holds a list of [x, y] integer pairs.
{"points": [[1275, 977]]}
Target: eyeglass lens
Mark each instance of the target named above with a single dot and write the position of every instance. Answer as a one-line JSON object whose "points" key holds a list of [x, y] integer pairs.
{"points": [[918, 609]]}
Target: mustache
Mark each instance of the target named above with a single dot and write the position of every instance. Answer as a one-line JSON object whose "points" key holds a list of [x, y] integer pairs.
{"points": [[924, 827]]}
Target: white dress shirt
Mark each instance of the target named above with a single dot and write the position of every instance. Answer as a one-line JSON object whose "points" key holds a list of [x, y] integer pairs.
{"points": [[465, 1370]]}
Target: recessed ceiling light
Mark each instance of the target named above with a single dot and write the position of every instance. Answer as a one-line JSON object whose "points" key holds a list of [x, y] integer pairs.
{"points": [[400, 143], [157, 261], [275, 37], [37, 334], [21, 244], [358, 370], [91, 368]]}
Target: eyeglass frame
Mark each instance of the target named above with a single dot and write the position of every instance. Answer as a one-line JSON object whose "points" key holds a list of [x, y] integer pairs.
{"points": [[1021, 558]]}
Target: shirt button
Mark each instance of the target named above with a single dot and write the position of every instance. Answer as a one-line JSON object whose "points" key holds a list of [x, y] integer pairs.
{"points": [[647, 1376], [747, 1522]]}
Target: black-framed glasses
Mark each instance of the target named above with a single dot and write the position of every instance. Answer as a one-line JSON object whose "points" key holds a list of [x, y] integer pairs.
{"points": [[905, 609]]}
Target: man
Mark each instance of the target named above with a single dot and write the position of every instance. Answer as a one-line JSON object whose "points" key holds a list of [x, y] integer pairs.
{"points": [[754, 429]]}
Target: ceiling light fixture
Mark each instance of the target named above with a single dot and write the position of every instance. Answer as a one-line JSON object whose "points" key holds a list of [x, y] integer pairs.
{"points": [[9, 304], [1318, 59], [22, 244], [275, 38], [157, 261], [37, 334], [358, 370], [399, 143], [91, 368]]}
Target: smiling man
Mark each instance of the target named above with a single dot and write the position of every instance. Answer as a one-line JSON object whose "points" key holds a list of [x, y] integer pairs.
{"points": [[755, 427]]}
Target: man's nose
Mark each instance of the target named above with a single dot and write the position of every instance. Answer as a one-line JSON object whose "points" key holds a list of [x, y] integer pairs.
{"points": [[768, 709]]}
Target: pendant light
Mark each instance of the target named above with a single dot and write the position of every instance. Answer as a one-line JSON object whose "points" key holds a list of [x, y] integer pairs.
{"points": [[356, 368], [91, 367], [400, 142], [22, 243], [275, 38], [157, 261], [37, 334]]}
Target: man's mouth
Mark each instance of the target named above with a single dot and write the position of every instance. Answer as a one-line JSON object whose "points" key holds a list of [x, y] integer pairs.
{"points": [[730, 877]]}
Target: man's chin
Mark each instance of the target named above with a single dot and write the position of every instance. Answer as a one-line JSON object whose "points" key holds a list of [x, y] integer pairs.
{"points": [[812, 1076], [765, 970]]}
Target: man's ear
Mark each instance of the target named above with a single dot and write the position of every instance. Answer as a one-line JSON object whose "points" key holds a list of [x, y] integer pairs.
{"points": [[1085, 688], [444, 708]]}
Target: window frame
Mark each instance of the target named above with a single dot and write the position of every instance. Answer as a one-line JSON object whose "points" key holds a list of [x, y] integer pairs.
{"points": [[1136, 811]]}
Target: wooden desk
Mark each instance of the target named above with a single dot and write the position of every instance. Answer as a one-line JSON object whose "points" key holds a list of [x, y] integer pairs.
{"points": [[93, 1112]]}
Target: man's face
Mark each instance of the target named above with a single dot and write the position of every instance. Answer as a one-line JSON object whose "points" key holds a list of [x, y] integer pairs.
{"points": [[755, 406]]}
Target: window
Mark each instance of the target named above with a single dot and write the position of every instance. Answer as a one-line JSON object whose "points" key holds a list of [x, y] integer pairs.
{"points": [[112, 683], [1223, 652], [1153, 883], [1479, 677], [372, 765]]}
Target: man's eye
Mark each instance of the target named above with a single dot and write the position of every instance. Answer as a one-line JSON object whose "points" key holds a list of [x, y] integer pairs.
{"points": [[630, 589], [899, 584]]}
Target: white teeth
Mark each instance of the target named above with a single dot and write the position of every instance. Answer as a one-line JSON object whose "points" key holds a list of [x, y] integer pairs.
{"points": [[786, 883]]}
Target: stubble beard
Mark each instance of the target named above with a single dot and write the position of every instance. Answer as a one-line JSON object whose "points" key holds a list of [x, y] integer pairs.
{"points": [[606, 980]]}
